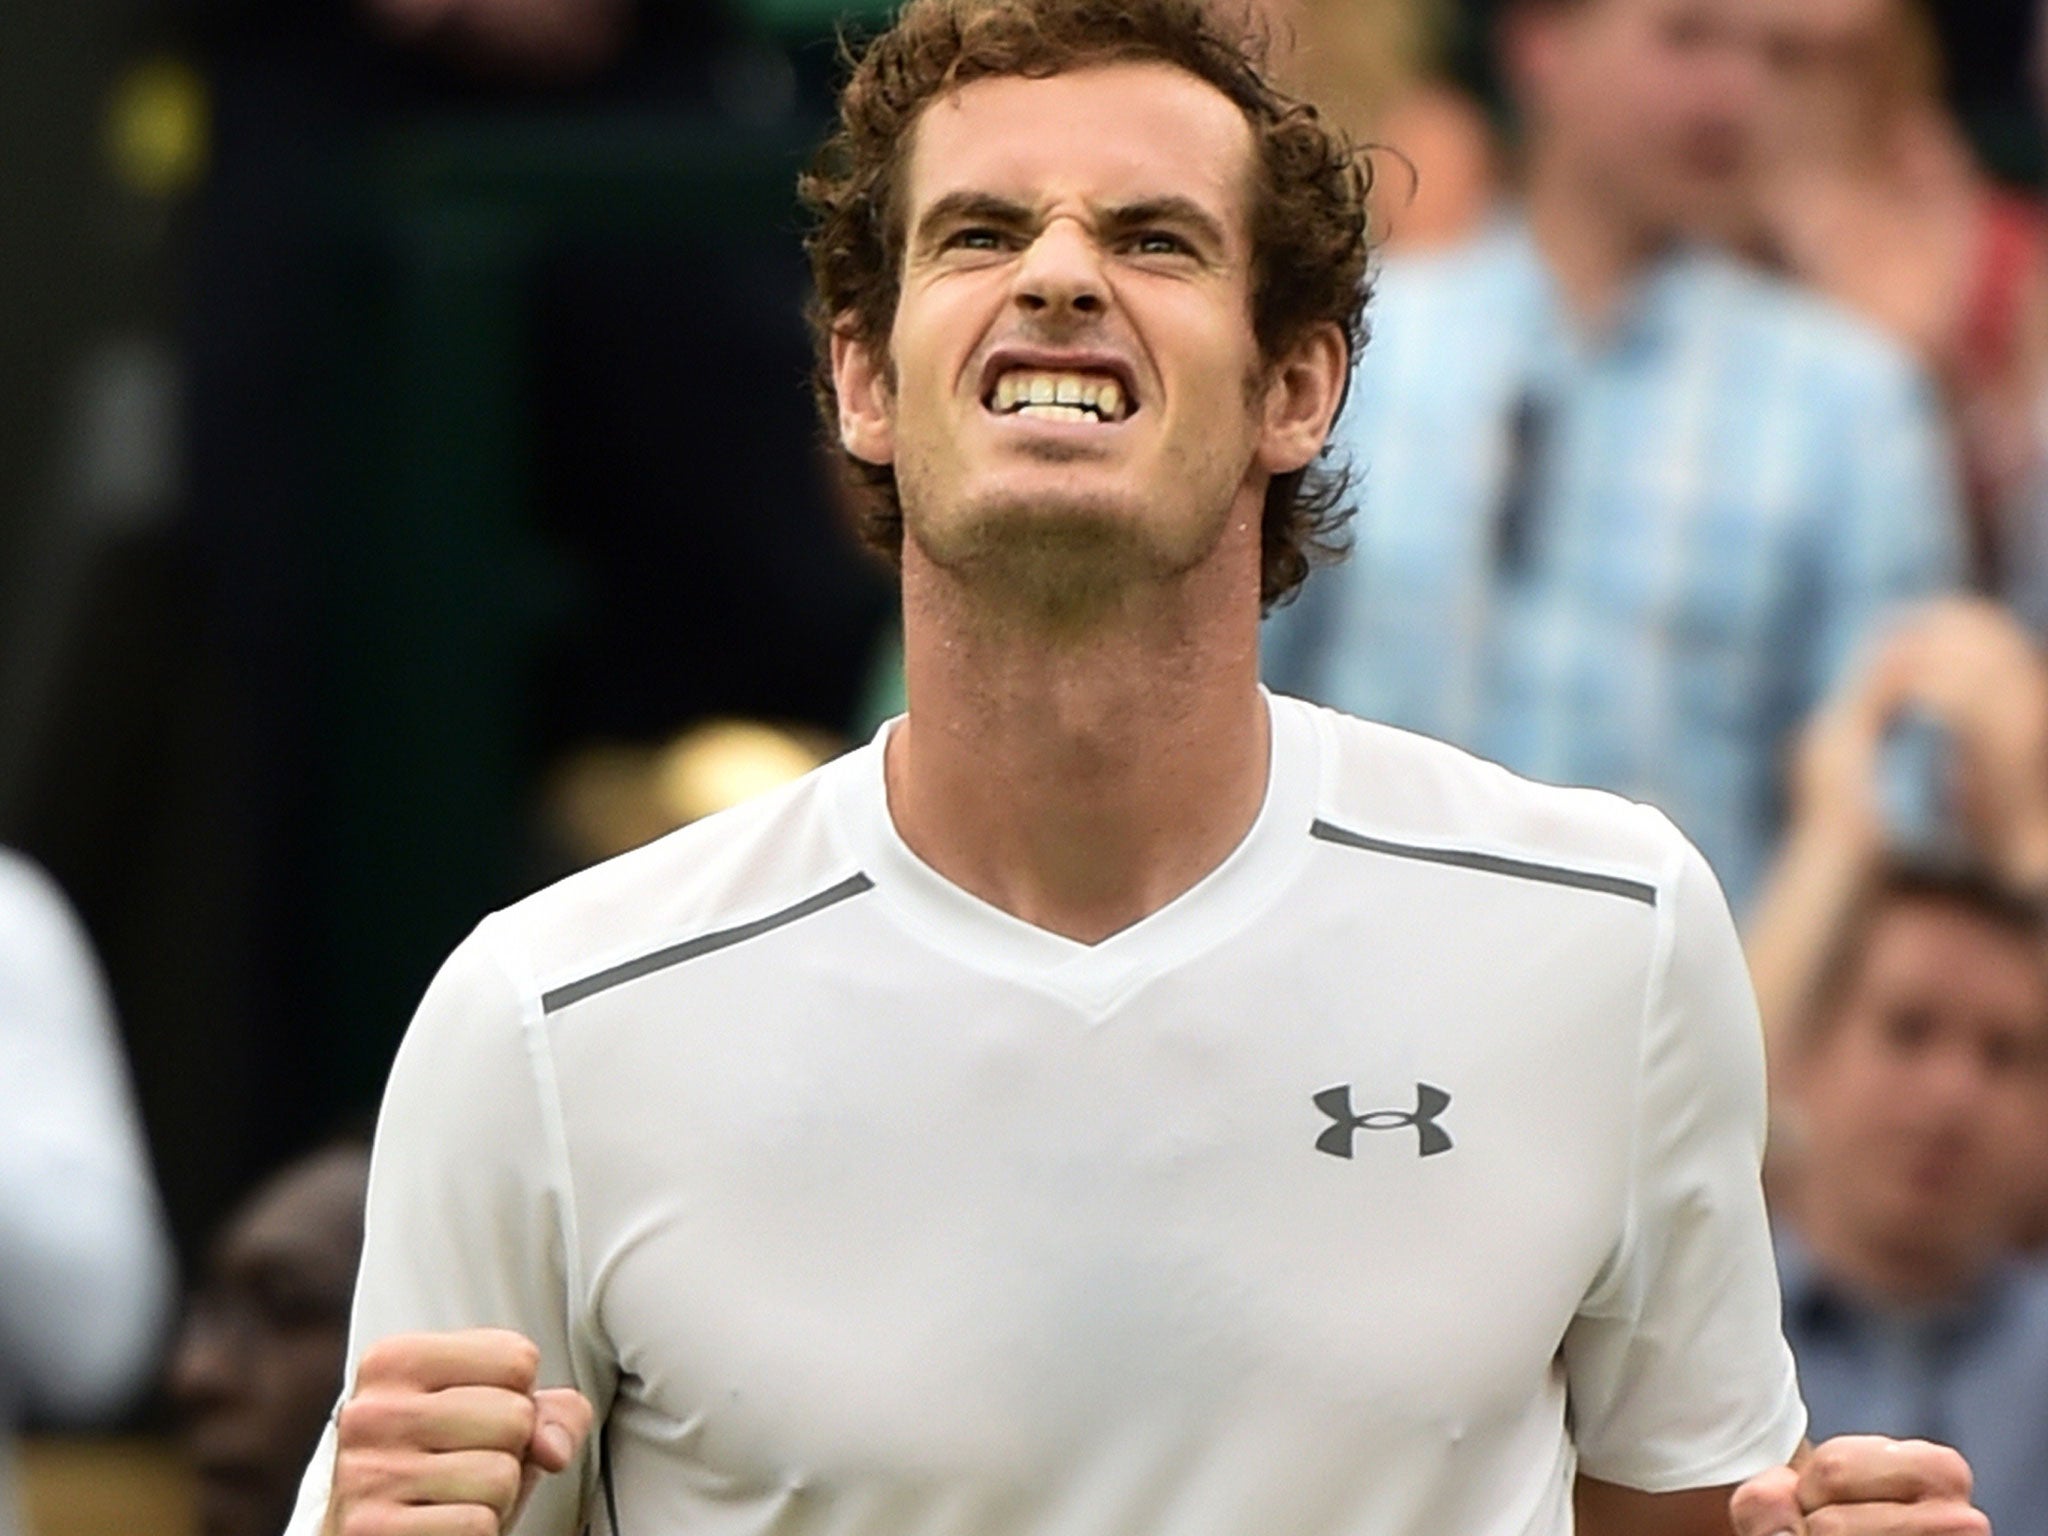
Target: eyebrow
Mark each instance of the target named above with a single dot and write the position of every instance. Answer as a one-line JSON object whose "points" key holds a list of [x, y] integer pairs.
{"points": [[971, 207], [1185, 212], [987, 208]]}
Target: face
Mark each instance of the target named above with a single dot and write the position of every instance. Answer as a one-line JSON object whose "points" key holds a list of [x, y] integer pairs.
{"points": [[258, 1363], [1073, 398], [1838, 64], [1923, 1100], [1669, 109]]}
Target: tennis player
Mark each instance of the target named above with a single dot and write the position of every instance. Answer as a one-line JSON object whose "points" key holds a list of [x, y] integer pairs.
{"points": [[1117, 1101]]}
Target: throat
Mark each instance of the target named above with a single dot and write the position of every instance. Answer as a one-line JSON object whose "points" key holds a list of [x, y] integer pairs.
{"points": [[1080, 821]]}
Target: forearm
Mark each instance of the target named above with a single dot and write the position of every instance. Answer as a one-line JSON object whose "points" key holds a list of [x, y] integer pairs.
{"points": [[1603, 1509], [1809, 896]]}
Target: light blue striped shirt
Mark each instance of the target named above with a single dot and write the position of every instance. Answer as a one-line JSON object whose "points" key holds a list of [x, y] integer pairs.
{"points": [[1718, 500]]}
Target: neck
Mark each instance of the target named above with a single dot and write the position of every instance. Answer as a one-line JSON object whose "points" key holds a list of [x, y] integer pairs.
{"points": [[1905, 1271], [1081, 781], [1594, 250]]}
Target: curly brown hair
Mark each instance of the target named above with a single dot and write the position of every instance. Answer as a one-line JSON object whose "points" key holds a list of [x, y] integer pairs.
{"points": [[1308, 208]]}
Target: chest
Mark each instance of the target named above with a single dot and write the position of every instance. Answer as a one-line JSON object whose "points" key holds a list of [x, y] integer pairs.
{"points": [[867, 1210]]}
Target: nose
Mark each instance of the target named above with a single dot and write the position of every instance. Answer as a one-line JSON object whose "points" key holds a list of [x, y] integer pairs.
{"points": [[203, 1365], [1060, 276], [1954, 1081]]}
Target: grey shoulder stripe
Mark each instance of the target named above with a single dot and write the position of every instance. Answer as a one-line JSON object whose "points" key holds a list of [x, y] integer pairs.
{"points": [[690, 949], [1492, 864]]}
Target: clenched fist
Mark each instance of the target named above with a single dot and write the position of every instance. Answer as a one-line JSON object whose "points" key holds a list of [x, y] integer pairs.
{"points": [[1862, 1485], [446, 1434]]}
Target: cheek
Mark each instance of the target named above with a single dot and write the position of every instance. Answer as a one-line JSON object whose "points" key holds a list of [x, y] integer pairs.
{"points": [[299, 1377], [1856, 1092]]}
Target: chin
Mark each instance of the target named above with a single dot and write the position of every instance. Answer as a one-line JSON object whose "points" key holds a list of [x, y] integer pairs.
{"points": [[240, 1506], [1063, 561]]}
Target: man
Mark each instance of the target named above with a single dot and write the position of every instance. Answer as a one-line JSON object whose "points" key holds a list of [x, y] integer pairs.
{"points": [[1115, 1101], [1630, 507], [85, 1262], [1918, 1089], [262, 1346]]}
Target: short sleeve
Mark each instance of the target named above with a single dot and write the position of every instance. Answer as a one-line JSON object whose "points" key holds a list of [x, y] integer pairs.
{"points": [[1677, 1367], [470, 1220]]}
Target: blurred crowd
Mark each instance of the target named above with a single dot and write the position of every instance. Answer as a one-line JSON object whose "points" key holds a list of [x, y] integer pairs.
{"points": [[408, 492]]}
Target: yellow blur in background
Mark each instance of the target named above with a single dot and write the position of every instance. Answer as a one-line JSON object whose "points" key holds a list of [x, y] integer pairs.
{"points": [[105, 1486]]}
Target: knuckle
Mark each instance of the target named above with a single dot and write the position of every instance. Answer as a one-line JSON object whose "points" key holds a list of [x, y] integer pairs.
{"points": [[387, 1357], [366, 1520], [501, 1477], [526, 1360], [475, 1520], [382, 1474], [364, 1419], [1753, 1500], [1948, 1468], [1831, 1470], [520, 1416], [497, 1419]]}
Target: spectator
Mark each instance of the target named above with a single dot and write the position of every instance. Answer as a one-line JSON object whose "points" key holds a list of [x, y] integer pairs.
{"points": [[258, 1364], [1377, 68], [84, 1263], [1968, 666], [1965, 663], [1629, 505], [1878, 200], [1919, 1090]]}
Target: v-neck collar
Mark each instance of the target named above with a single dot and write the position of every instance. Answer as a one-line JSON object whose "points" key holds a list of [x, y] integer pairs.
{"points": [[1091, 976]]}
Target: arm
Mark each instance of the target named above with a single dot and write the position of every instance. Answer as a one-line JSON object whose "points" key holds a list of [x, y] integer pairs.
{"points": [[1676, 1364], [1832, 851], [85, 1267], [1969, 666], [468, 1304], [1607, 1509]]}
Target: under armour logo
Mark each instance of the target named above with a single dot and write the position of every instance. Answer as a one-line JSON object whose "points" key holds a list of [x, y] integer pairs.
{"points": [[1429, 1103]]}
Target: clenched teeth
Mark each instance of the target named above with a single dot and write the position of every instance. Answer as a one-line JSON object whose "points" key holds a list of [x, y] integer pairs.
{"points": [[1058, 396]]}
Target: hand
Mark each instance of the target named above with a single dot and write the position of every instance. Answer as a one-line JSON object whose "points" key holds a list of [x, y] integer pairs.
{"points": [[1970, 665], [446, 1435], [1862, 1485], [1834, 769]]}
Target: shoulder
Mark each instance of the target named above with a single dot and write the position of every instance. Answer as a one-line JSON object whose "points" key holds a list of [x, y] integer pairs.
{"points": [[1413, 794], [28, 894], [43, 944], [741, 866]]}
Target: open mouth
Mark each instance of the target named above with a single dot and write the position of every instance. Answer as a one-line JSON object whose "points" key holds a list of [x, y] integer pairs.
{"points": [[1043, 394]]}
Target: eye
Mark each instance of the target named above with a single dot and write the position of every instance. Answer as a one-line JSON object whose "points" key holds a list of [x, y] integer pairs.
{"points": [[976, 237], [1160, 242], [1908, 1028]]}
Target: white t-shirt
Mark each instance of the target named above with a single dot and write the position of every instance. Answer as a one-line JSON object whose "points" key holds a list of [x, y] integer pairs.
{"points": [[1404, 1166]]}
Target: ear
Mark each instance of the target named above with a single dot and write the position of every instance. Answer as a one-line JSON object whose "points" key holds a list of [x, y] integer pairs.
{"points": [[867, 426], [1302, 395]]}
